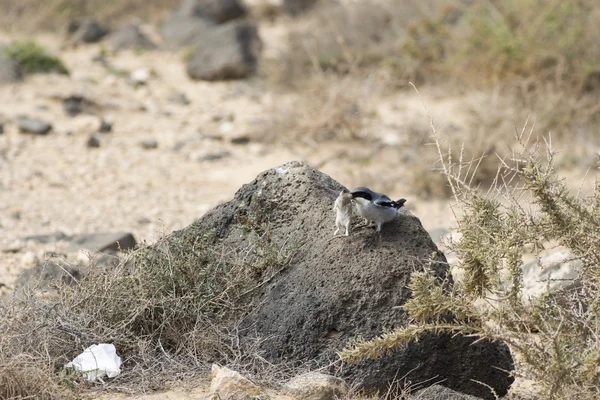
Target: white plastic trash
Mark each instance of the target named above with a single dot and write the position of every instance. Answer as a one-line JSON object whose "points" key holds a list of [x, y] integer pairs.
{"points": [[96, 361]]}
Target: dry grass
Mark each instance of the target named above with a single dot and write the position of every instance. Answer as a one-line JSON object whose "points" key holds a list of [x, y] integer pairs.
{"points": [[556, 335], [171, 310]]}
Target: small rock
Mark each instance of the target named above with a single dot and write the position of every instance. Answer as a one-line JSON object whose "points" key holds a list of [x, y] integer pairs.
{"points": [[140, 76], [131, 37], [103, 242], [229, 384], [316, 386], [227, 117], [1, 128], [215, 156], [105, 126], [149, 143], [73, 105], [179, 98], [439, 392], [244, 139], [45, 275], [48, 238], [93, 142], [88, 31], [35, 126], [226, 127]]}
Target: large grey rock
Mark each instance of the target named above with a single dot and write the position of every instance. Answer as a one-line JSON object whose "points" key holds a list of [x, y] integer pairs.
{"points": [[439, 392], [181, 31], [32, 125], [131, 37], [218, 11], [111, 241], [336, 290], [229, 51], [88, 31], [10, 71]]}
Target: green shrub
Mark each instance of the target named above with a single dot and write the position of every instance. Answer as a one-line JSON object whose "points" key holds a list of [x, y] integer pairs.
{"points": [[33, 58], [529, 209]]}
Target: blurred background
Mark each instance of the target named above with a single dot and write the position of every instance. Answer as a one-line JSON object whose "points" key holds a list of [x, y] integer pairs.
{"points": [[140, 116]]}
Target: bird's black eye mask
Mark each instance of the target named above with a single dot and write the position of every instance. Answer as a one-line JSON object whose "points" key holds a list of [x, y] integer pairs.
{"points": [[364, 195]]}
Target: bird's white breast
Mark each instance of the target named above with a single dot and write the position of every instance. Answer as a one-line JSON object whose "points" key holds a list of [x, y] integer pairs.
{"points": [[372, 212]]}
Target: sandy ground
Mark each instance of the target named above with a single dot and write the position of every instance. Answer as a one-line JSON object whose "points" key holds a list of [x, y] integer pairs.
{"points": [[56, 183]]}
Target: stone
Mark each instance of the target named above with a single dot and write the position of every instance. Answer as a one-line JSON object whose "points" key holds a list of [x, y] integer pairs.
{"points": [[297, 7], [1, 128], [131, 37], [219, 11], [72, 105], [229, 51], [139, 76], [93, 142], [179, 98], [149, 143], [556, 271], [10, 70], [215, 156], [244, 139], [47, 238], [316, 386], [333, 291], [105, 126], [44, 275], [88, 31], [32, 125], [229, 384], [439, 392], [102, 242]]}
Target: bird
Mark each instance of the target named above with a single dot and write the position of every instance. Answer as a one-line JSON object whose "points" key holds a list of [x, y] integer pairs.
{"points": [[343, 212], [376, 207]]}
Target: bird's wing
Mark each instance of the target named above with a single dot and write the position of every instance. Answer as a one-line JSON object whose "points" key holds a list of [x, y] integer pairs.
{"points": [[383, 201]]}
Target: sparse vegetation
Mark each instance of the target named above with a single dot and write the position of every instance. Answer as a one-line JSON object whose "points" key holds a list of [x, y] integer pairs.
{"points": [[170, 309], [33, 58], [554, 336]]}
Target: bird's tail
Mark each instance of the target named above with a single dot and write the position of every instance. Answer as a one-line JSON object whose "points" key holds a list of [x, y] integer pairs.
{"points": [[399, 203]]}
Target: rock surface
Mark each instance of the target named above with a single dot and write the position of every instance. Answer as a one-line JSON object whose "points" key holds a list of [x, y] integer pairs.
{"points": [[556, 271], [439, 392], [218, 11], [32, 125], [228, 51], [88, 31], [44, 275], [295, 7], [229, 384], [103, 241], [131, 37], [316, 386], [336, 290]]}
